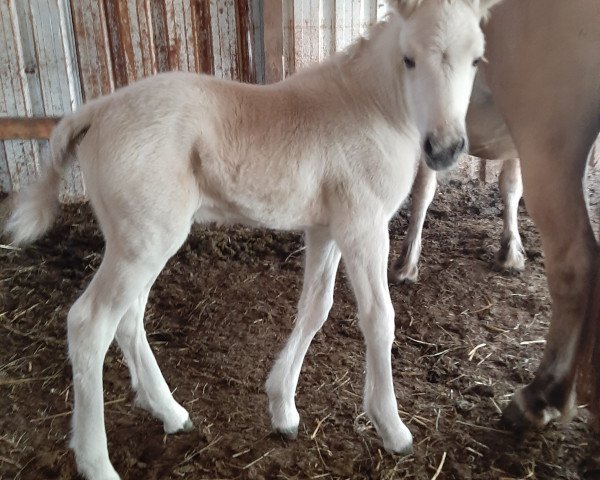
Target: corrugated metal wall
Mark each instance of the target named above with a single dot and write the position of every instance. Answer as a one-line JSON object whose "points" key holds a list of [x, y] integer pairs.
{"points": [[55, 54]]}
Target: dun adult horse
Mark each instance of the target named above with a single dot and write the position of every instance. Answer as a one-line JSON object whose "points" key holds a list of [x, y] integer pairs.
{"points": [[332, 151], [544, 74]]}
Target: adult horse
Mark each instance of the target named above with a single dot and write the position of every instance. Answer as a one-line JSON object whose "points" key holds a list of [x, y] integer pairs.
{"points": [[543, 71], [318, 152]]}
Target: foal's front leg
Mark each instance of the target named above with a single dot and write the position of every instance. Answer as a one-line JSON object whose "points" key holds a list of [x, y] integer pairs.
{"points": [[406, 268], [511, 255], [365, 254], [322, 259]]}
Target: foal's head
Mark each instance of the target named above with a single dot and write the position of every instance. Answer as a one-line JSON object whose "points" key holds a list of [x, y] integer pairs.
{"points": [[441, 44]]}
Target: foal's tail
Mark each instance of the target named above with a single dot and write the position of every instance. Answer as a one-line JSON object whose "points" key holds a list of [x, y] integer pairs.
{"points": [[36, 206]]}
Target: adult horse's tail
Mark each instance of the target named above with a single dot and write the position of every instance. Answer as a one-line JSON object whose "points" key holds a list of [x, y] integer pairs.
{"points": [[36, 206]]}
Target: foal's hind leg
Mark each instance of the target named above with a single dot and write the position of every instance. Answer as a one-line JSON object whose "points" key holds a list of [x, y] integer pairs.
{"points": [[365, 255], [92, 323], [406, 268], [322, 259], [153, 393], [511, 255], [124, 275]]}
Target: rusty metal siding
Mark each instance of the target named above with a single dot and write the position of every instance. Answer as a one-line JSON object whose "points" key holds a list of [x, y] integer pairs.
{"points": [[39, 80], [60, 53], [318, 28]]}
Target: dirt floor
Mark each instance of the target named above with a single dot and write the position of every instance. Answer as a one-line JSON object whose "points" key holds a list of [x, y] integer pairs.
{"points": [[467, 336]]}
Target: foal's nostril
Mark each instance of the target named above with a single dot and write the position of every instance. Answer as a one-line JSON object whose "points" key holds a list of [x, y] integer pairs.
{"points": [[428, 147], [460, 146]]}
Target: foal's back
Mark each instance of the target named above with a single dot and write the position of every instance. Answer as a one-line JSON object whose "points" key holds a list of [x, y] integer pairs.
{"points": [[282, 156]]}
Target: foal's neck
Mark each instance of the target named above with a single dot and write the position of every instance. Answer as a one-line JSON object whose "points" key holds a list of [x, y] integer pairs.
{"points": [[371, 68]]}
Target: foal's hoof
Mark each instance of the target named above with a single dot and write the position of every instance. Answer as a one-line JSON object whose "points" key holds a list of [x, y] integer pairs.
{"points": [[403, 275], [510, 260], [401, 451], [188, 426], [290, 433]]}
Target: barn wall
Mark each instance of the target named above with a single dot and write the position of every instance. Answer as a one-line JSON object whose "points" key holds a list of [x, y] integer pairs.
{"points": [[57, 54]]}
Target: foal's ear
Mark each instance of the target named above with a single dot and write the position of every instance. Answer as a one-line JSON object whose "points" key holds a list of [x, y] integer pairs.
{"points": [[404, 7], [485, 5]]}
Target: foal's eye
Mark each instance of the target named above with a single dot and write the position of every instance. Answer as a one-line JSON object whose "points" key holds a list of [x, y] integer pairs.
{"points": [[409, 62], [477, 61]]}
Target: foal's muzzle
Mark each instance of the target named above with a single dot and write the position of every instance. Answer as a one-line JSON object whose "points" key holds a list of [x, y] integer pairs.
{"points": [[440, 155]]}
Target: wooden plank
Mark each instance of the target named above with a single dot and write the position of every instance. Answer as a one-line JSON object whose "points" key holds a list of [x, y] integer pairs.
{"points": [[306, 32], [245, 40], [158, 15], [93, 50], [258, 44], [289, 42], [5, 186], [118, 25], [12, 128], [273, 40], [29, 71], [327, 29], [223, 27], [14, 101], [143, 38], [188, 35], [177, 48], [202, 37], [70, 53], [61, 91], [368, 16]]}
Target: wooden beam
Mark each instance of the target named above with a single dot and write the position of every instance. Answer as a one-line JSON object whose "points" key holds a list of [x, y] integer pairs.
{"points": [[273, 35], [12, 128]]}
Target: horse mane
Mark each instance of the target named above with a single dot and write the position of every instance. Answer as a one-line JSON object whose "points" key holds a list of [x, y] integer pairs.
{"points": [[359, 44], [407, 7]]}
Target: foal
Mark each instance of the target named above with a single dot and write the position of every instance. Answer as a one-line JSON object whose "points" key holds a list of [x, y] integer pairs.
{"points": [[489, 138], [331, 151]]}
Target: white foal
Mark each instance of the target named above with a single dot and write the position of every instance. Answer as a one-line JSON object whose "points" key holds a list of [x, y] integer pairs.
{"points": [[332, 151], [490, 139]]}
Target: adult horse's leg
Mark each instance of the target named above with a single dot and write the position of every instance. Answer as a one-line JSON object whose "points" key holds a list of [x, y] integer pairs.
{"points": [[153, 393], [322, 259], [406, 267], [550, 104], [511, 255], [365, 250], [555, 200]]}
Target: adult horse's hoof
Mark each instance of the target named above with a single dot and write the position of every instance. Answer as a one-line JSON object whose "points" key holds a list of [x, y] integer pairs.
{"points": [[514, 418], [519, 416]]}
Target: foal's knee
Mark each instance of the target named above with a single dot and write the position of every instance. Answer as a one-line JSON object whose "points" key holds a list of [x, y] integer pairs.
{"points": [[377, 325]]}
